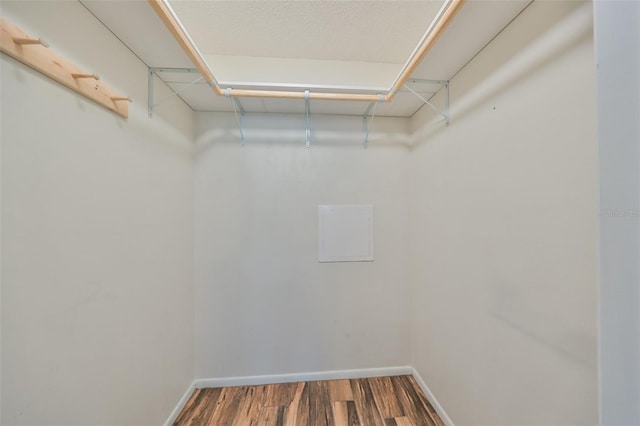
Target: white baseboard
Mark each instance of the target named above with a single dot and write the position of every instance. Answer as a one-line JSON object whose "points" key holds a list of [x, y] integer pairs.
{"points": [[307, 377], [176, 411], [443, 414], [302, 377]]}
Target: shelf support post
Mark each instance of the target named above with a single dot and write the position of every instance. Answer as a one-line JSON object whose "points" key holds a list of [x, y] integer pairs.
{"points": [[447, 116], [307, 109], [365, 131], [150, 93]]}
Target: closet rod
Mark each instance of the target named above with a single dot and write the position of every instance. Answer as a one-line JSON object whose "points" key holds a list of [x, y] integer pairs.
{"points": [[441, 22]]}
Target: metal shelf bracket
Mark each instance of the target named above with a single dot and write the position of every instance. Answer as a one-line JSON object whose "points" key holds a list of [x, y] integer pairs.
{"points": [[158, 70], [445, 86], [365, 116], [237, 106]]}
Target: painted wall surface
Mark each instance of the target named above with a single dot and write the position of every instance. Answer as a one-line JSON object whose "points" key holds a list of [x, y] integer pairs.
{"points": [[617, 37], [504, 218], [484, 276], [97, 257], [264, 305]]}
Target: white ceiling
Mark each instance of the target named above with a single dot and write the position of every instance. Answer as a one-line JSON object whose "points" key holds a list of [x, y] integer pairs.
{"points": [[355, 38], [367, 31], [318, 43]]}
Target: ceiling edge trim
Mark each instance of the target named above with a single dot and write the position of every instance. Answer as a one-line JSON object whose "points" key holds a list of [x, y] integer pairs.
{"points": [[446, 14], [428, 39], [171, 21]]}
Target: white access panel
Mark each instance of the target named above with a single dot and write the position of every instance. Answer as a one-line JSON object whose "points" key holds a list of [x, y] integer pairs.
{"points": [[345, 233]]}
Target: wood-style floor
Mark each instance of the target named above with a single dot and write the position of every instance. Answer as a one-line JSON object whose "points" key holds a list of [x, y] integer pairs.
{"points": [[380, 401]]}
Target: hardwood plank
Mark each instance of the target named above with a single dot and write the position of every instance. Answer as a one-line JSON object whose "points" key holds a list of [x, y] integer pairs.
{"points": [[297, 412], [352, 412], [279, 394], [411, 403], [403, 421], [188, 407], [320, 411], [228, 404], [383, 394], [194, 396], [340, 390], [340, 415], [399, 421], [269, 416], [249, 408], [390, 401], [411, 383], [345, 413], [365, 403], [292, 412], [200, 407]]}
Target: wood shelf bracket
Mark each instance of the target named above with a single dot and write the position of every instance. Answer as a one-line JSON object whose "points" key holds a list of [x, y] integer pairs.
{"points": [[35, 53]]}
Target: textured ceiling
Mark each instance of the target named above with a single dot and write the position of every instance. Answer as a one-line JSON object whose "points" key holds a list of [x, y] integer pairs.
{"points": [[313, 43], [361, 31]]}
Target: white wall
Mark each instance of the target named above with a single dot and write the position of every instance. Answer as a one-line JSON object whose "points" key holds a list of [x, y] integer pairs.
{"points": [[487, 230], [264, 305], [617, 37], [97, 256], [504, 219]]}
